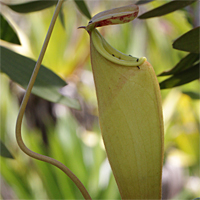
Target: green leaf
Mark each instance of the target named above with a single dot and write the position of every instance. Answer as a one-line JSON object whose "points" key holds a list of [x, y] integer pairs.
{"points": [[61, 17], [189, 41], [32, 6], [83, 8], [4, 152], [193, 95], [143, 2], [183, 64], [166, 8], [7, 33], [47, 85], [182, 78]]}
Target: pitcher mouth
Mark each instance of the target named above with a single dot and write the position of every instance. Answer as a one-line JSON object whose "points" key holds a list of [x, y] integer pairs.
{"points": [[112, 54]]}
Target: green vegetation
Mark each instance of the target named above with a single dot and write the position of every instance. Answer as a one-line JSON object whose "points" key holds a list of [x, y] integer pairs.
{"points": [[73, 137]]}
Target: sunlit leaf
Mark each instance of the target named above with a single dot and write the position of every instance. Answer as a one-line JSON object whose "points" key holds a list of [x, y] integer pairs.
{"points": [[193, 95], [32, 6], [19, 68], [183, 64], [143, 2], [4, 152], [7, 33], [166, 8], [182, 78], [189, 41], [83, 8]]}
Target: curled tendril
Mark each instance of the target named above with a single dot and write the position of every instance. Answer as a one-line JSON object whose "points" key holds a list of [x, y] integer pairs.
{"points": [[23, 107]]}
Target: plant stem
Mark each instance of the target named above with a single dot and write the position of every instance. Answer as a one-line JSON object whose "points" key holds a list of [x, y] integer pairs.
{"points": [[23, 107]]}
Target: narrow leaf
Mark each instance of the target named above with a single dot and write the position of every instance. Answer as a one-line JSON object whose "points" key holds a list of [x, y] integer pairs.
{"points": [[193, 95], [83, 8], [4, 152], [19, 68], [166, 8], [32, 6], [189, 41], [183, 64], [140, 2], [182, 78], [62, 18], [7, 33]]}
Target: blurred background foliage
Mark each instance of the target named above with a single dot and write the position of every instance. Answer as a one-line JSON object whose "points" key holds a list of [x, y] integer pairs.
{"points": [[73, 137]]}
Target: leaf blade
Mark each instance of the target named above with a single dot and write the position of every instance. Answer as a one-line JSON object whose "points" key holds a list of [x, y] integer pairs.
{"points": [[62, 17], [4, 152], [166, 9], [192, 95], [140, 2], [47, 85], [189, 41], [32, 6], [7, 33], [182, 78], [183, 64], [83, 8]]}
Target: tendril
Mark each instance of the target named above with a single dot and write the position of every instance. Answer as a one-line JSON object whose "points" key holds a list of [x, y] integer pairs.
{"points": [[19, 139]]}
